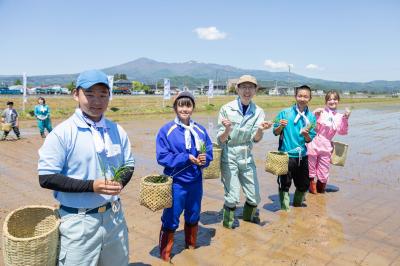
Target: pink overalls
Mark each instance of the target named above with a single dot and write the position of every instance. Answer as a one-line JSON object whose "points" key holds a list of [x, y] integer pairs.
{"points": [[320, 149]]}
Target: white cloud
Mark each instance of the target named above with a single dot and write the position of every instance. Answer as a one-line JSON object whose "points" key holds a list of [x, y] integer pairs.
{"points": [[210, 34], [314, 67], [277, 65]]}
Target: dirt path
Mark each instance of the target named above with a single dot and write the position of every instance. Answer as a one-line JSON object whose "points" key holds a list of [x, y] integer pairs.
{"points": [[358, 225]]}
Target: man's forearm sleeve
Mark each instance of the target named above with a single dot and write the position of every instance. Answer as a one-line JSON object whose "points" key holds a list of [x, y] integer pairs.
{"points": [[59, 182]]}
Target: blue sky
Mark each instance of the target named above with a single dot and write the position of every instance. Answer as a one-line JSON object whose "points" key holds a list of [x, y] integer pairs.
{"points": [[334, 40]]}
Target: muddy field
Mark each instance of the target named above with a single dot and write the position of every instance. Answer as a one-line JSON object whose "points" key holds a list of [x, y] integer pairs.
{"points": [[357, 225]]}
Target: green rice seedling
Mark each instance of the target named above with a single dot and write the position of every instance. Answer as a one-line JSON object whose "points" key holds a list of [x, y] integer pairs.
{"points": [[119, 172], [224, 114], [102, 167], [311, 126], [160, 179], [203, 147]]}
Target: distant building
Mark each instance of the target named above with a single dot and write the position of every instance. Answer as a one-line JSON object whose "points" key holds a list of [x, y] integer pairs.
{"points": [[290, 91], [232, 83], [51, 89], [6, 90], [218, 89], [281, 91], [122, 86], [16, 88], [123, 83]]}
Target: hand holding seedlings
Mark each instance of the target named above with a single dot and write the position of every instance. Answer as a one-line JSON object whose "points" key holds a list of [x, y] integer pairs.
{"points": [[318, 111], [265, 125], [283, 123], [194, 160], [202, 158], [102, 186], [227, 124], [202, 153], [305, 131], [347, 112]]}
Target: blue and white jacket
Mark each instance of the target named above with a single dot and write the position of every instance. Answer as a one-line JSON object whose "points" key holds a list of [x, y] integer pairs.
{"points": [[171, 152]]}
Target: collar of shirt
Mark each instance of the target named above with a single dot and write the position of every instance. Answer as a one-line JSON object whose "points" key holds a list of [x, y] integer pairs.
{"points": [[327, 109], [80, 121], [250, 109], [305, 109]]}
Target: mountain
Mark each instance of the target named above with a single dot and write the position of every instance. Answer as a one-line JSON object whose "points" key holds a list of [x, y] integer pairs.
{"points": [[194, 73]]}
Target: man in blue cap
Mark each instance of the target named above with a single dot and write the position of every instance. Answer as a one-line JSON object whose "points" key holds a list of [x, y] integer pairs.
{"points": [[77, 161]]}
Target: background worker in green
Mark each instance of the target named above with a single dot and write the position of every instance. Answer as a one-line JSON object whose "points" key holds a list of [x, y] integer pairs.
{"points": [[42, 114], [296, 127], [240, 124]]}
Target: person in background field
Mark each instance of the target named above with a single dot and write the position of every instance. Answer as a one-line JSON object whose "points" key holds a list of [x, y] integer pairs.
{"points": [[77, 161], [180, 150], [42, 114], [329, 122], [295, 126], [240, 125], [10, 116]]}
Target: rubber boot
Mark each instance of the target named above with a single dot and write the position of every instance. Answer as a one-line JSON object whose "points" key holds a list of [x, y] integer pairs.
{"points": [[284, 200], [298, 198], [321, 187], [250, 213], [166, 241], [191, 235], [5, 133], [313, 186], [228, 217]]}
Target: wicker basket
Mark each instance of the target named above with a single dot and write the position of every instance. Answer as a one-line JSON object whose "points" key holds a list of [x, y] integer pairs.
{"points": [[30, 236], [155, 196], [6, 127], [339, 153], [277, 163], [213, 171]]}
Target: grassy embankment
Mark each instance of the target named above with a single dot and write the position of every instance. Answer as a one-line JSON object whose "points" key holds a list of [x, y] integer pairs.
{"points": [[125, 107]]}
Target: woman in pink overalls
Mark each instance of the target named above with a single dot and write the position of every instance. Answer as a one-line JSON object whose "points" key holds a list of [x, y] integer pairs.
{"points": [[329, 122]]}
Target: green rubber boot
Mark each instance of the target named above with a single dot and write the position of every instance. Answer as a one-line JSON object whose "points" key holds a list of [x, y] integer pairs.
{"points": [[298, 198], [250, 214], [285, 200], [228, 217]]}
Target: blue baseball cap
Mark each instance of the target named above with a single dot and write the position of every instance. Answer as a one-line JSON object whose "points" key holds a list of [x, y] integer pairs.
{"points": [[89, 78]]}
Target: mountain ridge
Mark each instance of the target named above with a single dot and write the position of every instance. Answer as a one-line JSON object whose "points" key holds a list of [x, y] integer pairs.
{"points": [[150, 71]]}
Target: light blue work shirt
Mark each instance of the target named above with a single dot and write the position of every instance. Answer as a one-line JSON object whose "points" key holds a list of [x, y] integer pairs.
{"points": [[69, 149], [293, 142]]}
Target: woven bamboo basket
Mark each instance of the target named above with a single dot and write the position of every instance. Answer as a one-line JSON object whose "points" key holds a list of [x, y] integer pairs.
{"points": [[6, 127], [155, 196], [30, 236], [213, 171], [277, 163], [339, 153]]}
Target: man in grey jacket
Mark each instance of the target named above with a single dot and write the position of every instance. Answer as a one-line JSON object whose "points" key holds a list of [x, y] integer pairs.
{"points": [[10, 116]]}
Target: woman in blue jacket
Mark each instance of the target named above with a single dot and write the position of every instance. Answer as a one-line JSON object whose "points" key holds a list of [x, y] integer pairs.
{"points": [[42, 114], [178, 151]]}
